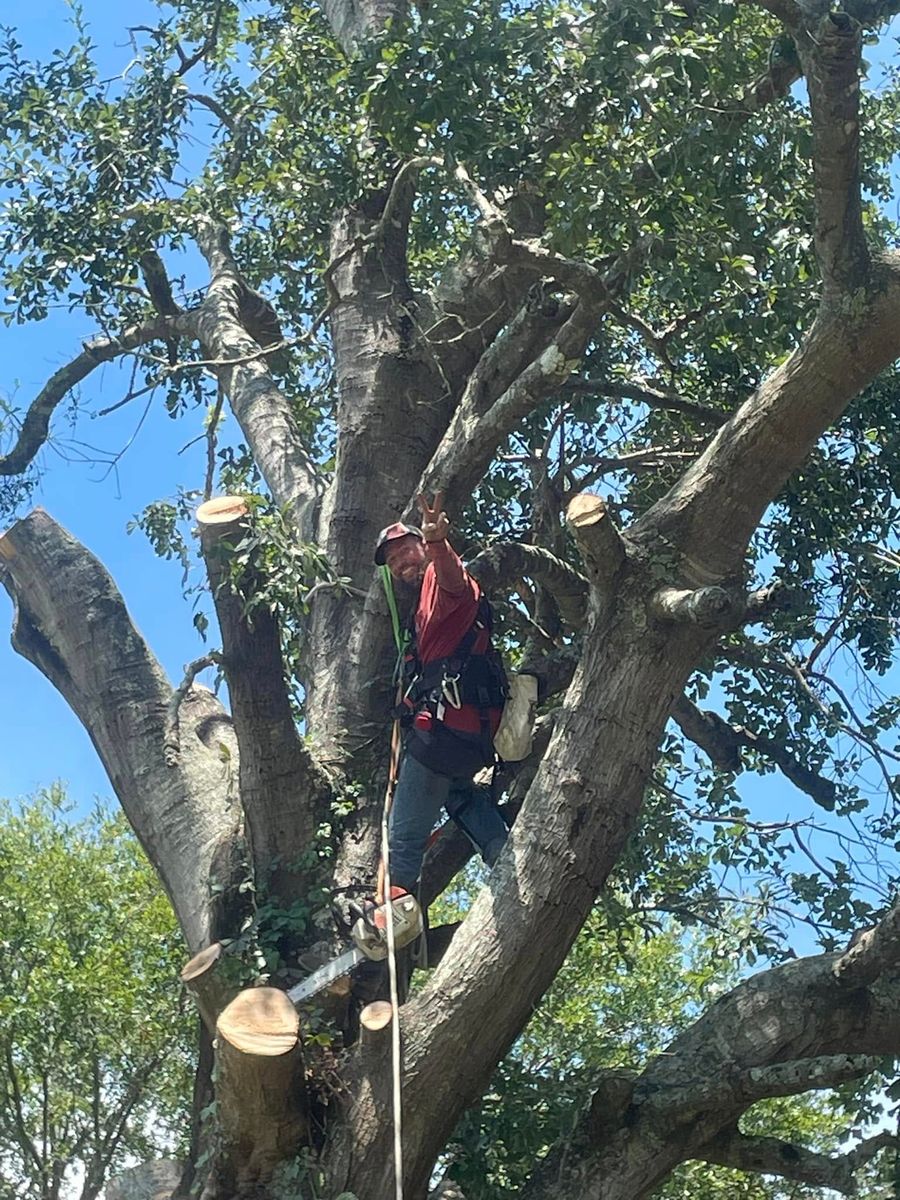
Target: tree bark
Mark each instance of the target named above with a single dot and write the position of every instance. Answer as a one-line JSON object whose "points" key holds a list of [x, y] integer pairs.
{"points": [[284, 792], [71, 622], [260, 1089], [779, 1033]]}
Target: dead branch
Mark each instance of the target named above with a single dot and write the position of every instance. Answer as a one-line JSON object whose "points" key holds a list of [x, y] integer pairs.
{"points": [[172, 739]]}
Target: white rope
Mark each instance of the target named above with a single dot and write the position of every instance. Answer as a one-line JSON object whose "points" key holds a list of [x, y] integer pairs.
{"points": [[395, 998]]}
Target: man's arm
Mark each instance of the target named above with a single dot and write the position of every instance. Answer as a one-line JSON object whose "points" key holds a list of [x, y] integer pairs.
{"points": [[451, 575]]}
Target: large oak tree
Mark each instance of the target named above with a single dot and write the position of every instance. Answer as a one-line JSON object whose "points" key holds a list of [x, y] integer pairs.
{"points": [[519, 254]]}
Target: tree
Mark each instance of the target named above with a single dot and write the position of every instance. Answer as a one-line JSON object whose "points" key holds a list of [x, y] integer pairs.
{"points": [[613, 1007], [94, 1045], [507, 253]]}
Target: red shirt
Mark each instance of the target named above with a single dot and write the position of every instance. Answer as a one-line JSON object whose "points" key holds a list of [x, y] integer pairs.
{"points": [[448, 604]]}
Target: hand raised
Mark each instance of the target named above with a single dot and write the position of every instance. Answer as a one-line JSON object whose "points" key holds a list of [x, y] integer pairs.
{"points": [[435, 523]]}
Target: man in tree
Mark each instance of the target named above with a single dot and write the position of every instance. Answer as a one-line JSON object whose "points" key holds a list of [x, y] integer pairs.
{"points": [[453, 691], [535, 257]]}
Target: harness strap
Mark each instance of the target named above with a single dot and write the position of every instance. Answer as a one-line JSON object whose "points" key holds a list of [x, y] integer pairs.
{"points": [[431, 675]]}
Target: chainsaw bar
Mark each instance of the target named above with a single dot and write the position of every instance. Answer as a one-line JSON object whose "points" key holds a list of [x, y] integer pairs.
{"points": [[325, 975]]}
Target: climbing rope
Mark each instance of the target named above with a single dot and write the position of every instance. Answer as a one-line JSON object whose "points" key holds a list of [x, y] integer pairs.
{"points": [[400, 635], [392, 962]]}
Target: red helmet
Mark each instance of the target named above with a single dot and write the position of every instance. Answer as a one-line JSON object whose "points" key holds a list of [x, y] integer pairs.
{"points": [[391, 533]]}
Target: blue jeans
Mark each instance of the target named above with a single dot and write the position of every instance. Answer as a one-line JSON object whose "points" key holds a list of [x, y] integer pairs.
{"points": [[418, 799]]}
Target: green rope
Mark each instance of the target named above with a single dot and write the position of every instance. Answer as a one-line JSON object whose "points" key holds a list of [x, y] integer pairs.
{"points": [[401, 637]]}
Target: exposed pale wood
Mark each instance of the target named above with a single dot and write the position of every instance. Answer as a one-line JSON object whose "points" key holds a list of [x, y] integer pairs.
{"points": [[585, 509], [376, 1015], [260, 1022], [598, 539], [203, 978], [222, 510], [201, 962]]}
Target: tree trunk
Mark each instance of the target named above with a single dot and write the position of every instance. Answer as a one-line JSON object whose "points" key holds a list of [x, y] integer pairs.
{"points": [[261, 1091]]}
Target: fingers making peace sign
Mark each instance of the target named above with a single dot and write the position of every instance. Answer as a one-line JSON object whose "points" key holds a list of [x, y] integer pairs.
{"points": [[435, 523]]}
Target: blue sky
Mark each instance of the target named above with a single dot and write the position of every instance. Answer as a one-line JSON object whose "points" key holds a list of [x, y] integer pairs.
{"points": [[42, 740]]}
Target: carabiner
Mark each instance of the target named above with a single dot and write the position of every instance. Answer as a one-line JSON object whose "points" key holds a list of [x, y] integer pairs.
{"points": [[450, 690]]}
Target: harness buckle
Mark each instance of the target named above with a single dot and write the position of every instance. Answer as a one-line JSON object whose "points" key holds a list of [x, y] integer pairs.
{"points": [[450, 690]]}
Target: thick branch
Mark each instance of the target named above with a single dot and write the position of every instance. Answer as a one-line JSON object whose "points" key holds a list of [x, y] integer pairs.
{"points": [[211, 988], [708, 607], [598, 539], [561, 848], [284, 792], [723, 743], [712, 511], [260, 1087], [500, 565], [392, 407], [471, 439], [156, 279], [779, 1033], [262, 411], [742, 1088], [354, 22], [876, 951], [473, 436], [772, 1156], [71, 622], [831, 63], [36, 424], [518, 344]]}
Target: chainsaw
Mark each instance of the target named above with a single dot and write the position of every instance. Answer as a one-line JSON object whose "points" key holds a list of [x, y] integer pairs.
{"points": [[369, 934]]}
